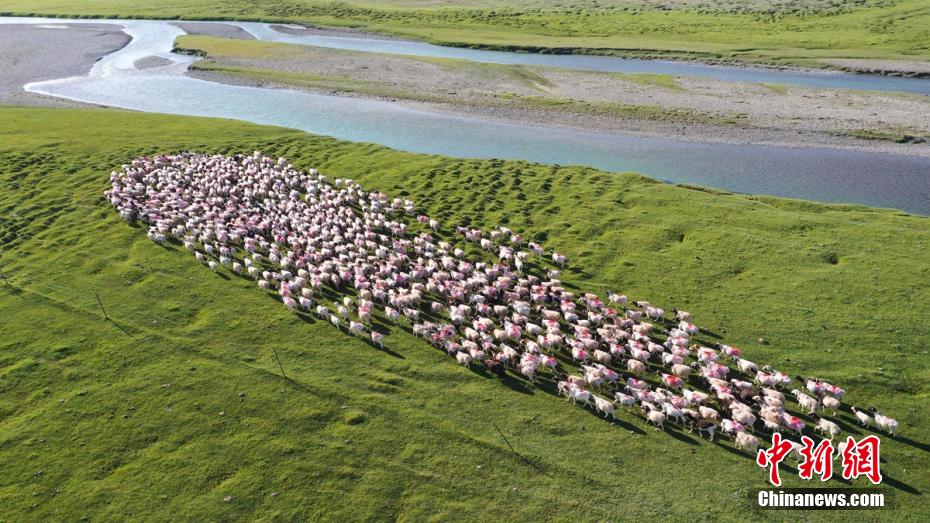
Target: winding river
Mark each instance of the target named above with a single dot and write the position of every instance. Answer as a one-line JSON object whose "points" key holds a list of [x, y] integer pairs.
{"points": [[611, 64], [830, 175]]}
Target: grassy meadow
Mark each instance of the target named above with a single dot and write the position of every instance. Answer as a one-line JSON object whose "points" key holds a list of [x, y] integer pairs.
{"points": [[178, 409], [770, 32]]}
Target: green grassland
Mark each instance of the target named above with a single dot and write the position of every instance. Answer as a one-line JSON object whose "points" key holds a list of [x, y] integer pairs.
{"points": [[797, 33], [177, 410]]}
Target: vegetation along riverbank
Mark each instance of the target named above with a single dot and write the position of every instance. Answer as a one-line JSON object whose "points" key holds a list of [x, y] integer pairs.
{"points": [[877, 35]]}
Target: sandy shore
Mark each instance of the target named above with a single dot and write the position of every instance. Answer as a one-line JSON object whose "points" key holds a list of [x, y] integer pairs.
{"points": [[151, 62], [886, 67], [34, 53], [696, 109], [299, 30], [211, 29]]}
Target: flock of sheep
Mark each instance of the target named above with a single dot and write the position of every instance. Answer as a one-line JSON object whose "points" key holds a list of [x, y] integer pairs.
{"points": [[298, 234]]}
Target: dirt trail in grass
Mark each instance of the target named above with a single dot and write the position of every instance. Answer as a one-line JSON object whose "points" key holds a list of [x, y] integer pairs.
{"points": [[46, 52], [699, 109]]}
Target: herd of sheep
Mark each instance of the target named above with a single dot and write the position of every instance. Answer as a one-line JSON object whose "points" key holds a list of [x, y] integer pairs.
{"points": [[471, 293]]}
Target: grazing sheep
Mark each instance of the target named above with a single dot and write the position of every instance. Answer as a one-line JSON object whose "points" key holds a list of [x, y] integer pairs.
{"points": [[885, 423], [827, 427], [673, 412], [340, 238], [636, 367], [673, 382], [654, 416], [704, 426], [709, 413], [731, 427], [841, 448], [747, 442], [864, 419], [831, 403], [728, 351], [746, 366], [806, 402], [745, 418], [463, 358], [624, 400], [356, 327], [577, 394], [604, 406], [681, 370], [793, 422]]}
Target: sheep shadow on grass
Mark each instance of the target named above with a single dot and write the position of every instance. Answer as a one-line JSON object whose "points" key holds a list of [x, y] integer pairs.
{"points": [[306, 317], [743, 453], [706, 332], [900, 485], [384, 349], [508, 380], [380, 327], [845, 423], [676, 432], [908, 441]]}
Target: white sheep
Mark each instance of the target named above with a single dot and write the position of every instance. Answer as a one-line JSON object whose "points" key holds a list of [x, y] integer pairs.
{"points": [[747, 442], [356, 327], [827, 427], [624, 400], [864, 419], [655, 416], [463, 358], [604, 406], [829, 402], [806, 402]]}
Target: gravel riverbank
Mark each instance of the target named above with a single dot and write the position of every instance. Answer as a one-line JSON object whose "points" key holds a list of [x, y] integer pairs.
{"points": [[31, 53], [214, 29], [697, 109]]}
